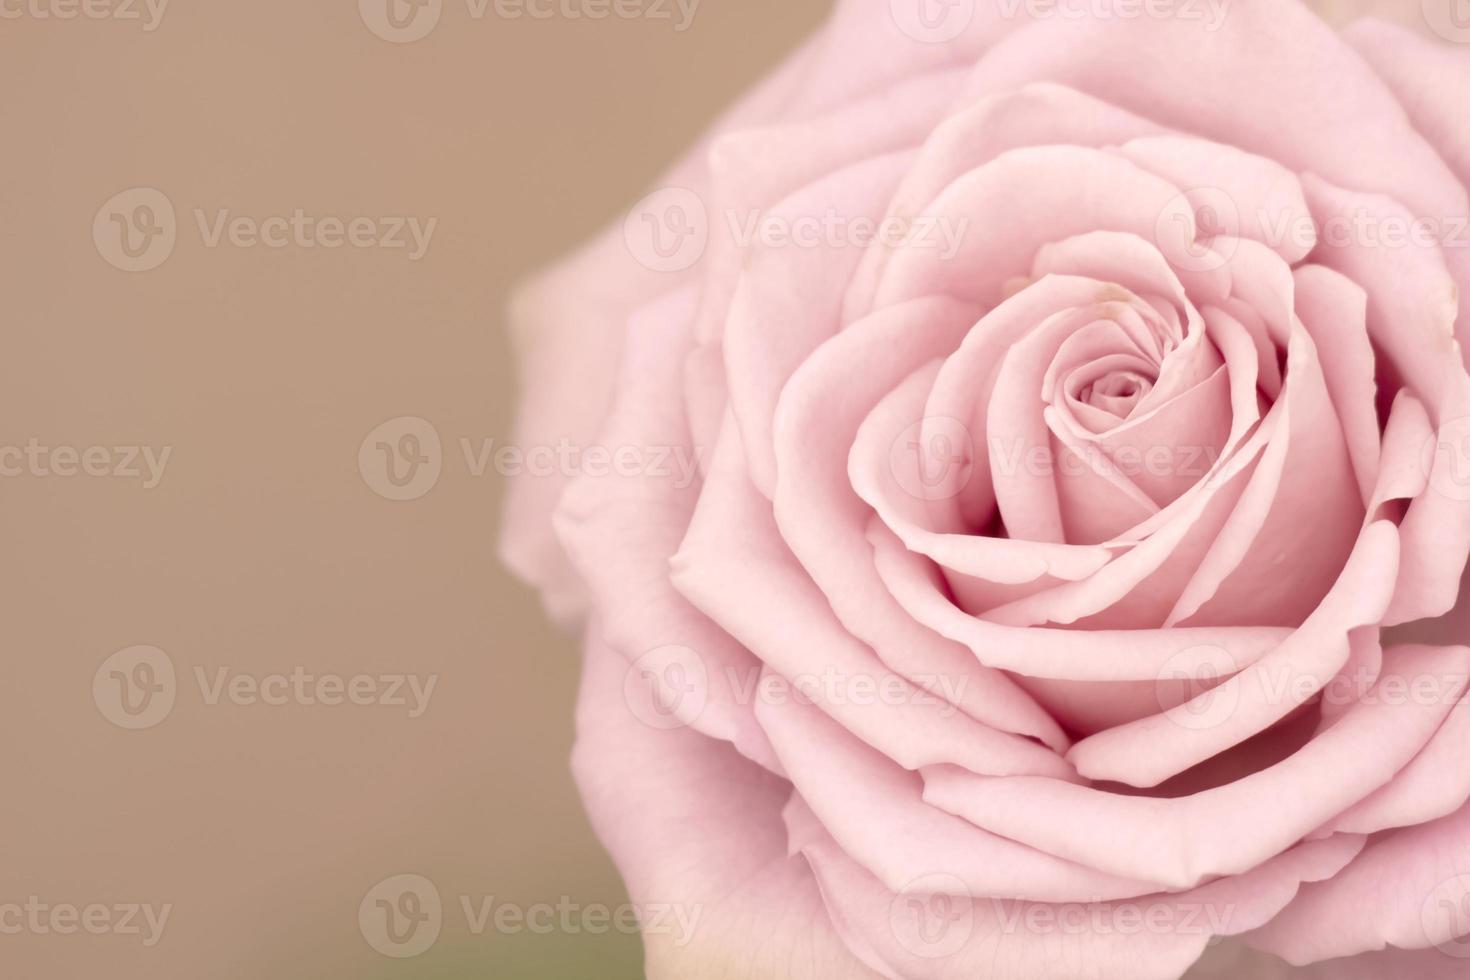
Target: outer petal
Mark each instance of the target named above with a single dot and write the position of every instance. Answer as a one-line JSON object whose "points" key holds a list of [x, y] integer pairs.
{"points": [[918, 933], [1184, 840], [694, 826], [823, 520], [1408, 890], [621, 528], [567, 328], [1429, 79]]}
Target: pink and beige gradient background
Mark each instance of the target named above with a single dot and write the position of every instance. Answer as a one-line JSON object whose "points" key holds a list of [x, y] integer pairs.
{"points": [[263, 549]]}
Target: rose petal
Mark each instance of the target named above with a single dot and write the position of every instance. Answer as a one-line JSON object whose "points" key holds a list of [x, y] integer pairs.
{"points": [[1185, 840], [697, 829], [734, 566], [823, 520], [621, 528], [913, 935], [1389, 895], [873, 807]]}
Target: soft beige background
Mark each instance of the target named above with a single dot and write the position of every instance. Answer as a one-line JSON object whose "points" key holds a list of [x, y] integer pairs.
{"points": [[263, 549]]}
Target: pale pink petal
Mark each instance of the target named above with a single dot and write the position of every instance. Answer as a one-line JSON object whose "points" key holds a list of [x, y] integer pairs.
{"points": [[621, 527], [1407, 889], [1153, 749], [1081, 655], [734, 566], [1186, 840], [789, 298], [1324, 111], [753, 169], [1028, 197], [1334, 312], [922, 934], [1436, 783], [1305, 469], [1034, 115], [1246, 195], [824, 521], [1412, 305], [696, 829], [873, 808]]}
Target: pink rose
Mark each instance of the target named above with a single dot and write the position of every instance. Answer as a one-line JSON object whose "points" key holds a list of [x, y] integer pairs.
{"points": [[987, 468]]}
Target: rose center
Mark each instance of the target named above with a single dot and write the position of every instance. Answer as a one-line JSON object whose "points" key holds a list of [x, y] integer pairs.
{"points": [[1117, 392]]}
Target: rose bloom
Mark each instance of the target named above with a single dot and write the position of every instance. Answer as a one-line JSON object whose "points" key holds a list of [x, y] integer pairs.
{"points": [[1008, 503]]}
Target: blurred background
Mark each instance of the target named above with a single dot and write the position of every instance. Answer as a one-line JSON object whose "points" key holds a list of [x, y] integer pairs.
{"points": [[260, 659]]}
